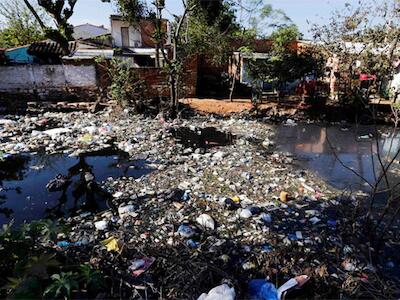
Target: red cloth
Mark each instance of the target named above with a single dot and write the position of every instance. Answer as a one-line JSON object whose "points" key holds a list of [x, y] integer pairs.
{"points": [[364, 77]]}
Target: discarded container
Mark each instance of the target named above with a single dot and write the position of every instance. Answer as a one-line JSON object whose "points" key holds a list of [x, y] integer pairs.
{"points": [[101, 225], [206, 221], [332, 223], [236, 199], [266, 249], [260, 289], [125, 211], [284, 196], [185, 231], [248, 265], [192, 244], [231, 205], [221, 292], [296, 282], [315, 220], [266, 217], [245, 213]]}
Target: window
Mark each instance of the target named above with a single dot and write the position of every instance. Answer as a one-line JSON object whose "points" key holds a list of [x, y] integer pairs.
{"points": [[125, 36]]}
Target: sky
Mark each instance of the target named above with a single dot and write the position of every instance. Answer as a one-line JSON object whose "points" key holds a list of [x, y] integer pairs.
{"points": [[315, 11]]}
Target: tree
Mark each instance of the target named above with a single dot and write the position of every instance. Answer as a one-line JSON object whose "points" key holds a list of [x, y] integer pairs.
{"points": [[60, 12], [20, 27], [285, 63], [260, 16], [256, 18], [203, 26], [362, 38]]}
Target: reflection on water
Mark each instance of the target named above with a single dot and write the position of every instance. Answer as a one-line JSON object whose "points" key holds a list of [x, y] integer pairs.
{"points": [[23, 179], [310, 144], [204, 138]]}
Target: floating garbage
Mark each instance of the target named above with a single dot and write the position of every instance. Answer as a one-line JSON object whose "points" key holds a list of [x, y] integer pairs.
{"points": [[261, 289], [64, 244], [112, 244], [140, 266], [206, 221], [59, 183], [221, 292], [101, 225], [284, 196], [186, 231]]}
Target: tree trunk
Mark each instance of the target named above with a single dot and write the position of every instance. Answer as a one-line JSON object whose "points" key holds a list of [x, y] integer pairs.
{"points": [[173, 93], [234, 78]]}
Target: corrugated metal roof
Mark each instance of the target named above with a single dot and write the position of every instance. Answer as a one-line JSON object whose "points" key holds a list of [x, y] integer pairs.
{"points": [[50, 48], [91, 53]]}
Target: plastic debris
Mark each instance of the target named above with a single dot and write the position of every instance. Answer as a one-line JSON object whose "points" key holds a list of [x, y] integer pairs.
{"points": [[260, 289], [142, 265], [127, 210], [58, 184], [206, 221], [112, 244], [64, 244], [284, 196], [231, 204], [221, 292], [101, 225], [55, 132], [245, 213], [266, 217], [185, 231], [192, 244], [296, 282]]}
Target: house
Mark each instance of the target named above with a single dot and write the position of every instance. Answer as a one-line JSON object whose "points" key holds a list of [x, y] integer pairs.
{"points": [[89, 31], [137, 41], [19, 55], [261, 51]]}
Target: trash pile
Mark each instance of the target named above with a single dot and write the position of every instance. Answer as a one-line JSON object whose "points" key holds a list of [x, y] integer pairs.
{"points": [[234, 212]]}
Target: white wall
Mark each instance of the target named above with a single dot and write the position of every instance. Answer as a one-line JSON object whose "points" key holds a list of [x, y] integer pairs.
{"points": [[50, 77], [135, 38], [86, 31]]}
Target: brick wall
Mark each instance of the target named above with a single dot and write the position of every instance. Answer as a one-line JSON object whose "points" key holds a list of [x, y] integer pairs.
{"points": [[156, 79]]}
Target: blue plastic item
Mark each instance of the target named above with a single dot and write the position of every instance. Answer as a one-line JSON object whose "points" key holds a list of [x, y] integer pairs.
{"points": [[64, 244], [332, 223], [185, 231], [260, 289], [192, 244], [186, 196]]}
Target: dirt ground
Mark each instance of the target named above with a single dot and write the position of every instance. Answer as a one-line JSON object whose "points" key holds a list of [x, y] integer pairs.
{"points": [[226, 107]]}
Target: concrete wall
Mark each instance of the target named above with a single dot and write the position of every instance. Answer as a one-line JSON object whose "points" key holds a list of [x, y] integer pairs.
{"points": [[135, 38], [26, 78]]}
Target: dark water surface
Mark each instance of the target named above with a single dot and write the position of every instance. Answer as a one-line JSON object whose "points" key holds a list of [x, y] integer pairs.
{"points": [[355, 146], [23, 179], [203, 138]]}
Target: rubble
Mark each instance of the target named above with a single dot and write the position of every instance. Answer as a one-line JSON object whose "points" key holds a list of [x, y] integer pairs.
{"points": [[234, 210]]}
